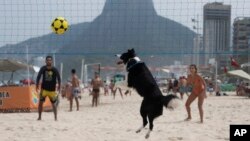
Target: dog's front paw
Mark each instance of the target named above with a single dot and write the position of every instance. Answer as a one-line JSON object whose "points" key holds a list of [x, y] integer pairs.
{"points": [[147, 136]]}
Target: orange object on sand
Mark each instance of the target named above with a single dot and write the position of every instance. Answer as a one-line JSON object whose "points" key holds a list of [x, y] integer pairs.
{"points": [[20, 99]]}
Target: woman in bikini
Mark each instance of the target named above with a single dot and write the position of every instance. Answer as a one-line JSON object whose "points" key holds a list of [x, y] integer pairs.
{"points": [[198, 90]]}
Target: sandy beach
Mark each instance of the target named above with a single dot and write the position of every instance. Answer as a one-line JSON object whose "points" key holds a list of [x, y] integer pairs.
{"points": [[117, 120]]}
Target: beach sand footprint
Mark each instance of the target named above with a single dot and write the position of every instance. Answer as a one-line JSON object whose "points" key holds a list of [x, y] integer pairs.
{"points": [[129, 130], [175, 138], [9, 128]]}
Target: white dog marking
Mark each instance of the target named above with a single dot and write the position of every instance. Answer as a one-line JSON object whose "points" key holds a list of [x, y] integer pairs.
{"points": [[173, 104]]}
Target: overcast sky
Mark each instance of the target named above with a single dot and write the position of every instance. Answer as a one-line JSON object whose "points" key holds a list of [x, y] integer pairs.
{"points": [[23, 19]]}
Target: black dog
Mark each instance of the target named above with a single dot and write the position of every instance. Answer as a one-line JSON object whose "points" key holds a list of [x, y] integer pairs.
{"points": [[141, 79]]}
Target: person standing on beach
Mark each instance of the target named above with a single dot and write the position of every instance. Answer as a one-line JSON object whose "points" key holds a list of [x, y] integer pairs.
{"points": [[170, 86], [112, 87], [176, 86], [75, 90], [210, 88], [96, 84], [198, 86], [183, 87], [48, 86], [106, 88], [116, 87]]}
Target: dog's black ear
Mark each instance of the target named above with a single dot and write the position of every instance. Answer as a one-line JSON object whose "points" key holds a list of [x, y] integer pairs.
{"points": [[132, 51]]}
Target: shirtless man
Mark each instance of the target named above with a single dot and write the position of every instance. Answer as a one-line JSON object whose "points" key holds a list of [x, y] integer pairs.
{"points": [[96, 84], [75, 90]]}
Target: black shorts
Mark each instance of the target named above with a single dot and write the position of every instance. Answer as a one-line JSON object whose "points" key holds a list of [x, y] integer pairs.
{"points": [[96, 90]]}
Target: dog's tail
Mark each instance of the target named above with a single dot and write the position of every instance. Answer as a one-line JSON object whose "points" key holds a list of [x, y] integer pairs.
{"points": [[170, 101]]}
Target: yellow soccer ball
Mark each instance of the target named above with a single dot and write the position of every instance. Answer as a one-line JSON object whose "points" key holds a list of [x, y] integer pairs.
{"points": [[59, 25]]}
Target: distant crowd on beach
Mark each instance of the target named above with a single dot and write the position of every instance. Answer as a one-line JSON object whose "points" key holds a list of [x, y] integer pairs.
{"points": [[174, 86], [94, 89], [193, 85]]}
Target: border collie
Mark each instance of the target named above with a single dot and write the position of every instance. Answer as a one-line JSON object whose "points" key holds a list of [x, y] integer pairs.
{"points": [[141, 79]]}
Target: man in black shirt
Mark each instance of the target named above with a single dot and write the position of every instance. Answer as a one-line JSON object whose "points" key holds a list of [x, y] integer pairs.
{"points": [[48, 85]]}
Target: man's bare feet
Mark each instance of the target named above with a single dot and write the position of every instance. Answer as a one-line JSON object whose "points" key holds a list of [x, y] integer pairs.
{"points": [[187, 119], [199, 122]]}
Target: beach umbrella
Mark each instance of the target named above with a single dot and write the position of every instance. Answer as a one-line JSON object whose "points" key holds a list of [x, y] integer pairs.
{"points": [[166, 70], [36, 68], [7, 65], [239, 73]]}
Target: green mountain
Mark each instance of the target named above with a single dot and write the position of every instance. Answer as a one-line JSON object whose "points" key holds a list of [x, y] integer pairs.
{"points": [[122, 25]]}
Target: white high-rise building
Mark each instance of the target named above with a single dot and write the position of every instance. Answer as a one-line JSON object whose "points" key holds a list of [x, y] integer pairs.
{"points": [[241, 38], [197, 50], [216, 31]]}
